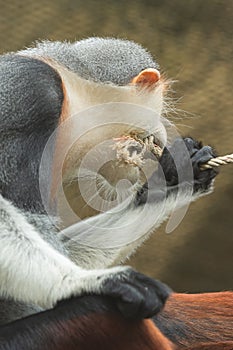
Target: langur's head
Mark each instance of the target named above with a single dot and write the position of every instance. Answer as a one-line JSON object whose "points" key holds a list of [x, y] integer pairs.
{"points": [[86, 114], [110, 121]]}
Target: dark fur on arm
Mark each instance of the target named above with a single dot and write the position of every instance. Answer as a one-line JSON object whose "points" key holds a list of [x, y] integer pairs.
{"points": [[193, 322], [85, 323]]}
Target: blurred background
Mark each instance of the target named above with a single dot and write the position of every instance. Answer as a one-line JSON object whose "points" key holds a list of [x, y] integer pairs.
{"points": [[192, 41]]}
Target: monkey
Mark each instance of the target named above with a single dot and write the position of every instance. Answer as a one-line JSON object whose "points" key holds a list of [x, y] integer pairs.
{"points": [[41, 88]]}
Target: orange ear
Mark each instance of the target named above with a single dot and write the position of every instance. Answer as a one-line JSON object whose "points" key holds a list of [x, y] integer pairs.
{"points": [[146, 78]]}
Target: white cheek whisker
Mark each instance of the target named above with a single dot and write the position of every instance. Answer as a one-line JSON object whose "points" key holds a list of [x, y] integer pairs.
{"points": [[105, 192]]}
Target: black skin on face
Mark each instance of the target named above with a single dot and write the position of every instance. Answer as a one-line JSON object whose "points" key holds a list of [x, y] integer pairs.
{"points": [[174, 162]]}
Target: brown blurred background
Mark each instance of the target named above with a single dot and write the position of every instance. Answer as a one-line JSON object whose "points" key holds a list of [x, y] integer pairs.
{"points": [[192, 41]]}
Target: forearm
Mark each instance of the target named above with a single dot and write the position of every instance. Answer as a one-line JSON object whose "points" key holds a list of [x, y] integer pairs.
{"points": [[31, 271], [111, 237]]}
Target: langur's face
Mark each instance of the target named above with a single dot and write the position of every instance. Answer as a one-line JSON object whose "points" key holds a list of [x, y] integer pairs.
{"points": [[107, 141]]}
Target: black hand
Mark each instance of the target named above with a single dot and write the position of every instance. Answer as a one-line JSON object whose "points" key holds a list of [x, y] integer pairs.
{"points": [[136, 295], [179, 165], [177, 159]]}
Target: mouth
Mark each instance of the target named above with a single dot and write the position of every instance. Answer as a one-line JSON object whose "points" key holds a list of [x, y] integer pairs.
{"points": [[113, 162], [135, 149], [153, 144]]}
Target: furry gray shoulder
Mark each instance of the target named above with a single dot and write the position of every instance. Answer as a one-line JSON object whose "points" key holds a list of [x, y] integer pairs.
{"points": [[104, 60]]}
